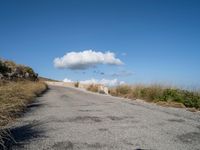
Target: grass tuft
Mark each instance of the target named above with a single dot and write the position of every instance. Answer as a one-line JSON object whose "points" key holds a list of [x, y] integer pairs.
{"points": [[93, 88], [76, 84]]}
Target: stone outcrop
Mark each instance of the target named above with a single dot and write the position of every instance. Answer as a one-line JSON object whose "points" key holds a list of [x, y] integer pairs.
{"points": [[103, 89], [11, 71]]}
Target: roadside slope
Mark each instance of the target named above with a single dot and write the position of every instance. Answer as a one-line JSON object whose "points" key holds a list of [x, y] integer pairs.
{"points": [[19, 85]]}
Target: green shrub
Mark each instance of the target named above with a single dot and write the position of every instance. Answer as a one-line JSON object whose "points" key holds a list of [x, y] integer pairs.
{"points": [[191, 99], [172, 95], [29, 70]]}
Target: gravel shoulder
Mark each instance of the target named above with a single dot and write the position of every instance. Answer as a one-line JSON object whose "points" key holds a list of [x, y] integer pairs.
{"points": [[68, 118]]}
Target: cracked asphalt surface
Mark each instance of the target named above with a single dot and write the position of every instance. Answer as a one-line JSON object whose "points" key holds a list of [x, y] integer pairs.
{"points": [[66, 118]]}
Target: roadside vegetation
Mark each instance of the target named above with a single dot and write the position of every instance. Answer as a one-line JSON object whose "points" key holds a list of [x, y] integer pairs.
{"points": [[76, 84], [162, 95], [93, 88], [14, 97], [19, 85]]}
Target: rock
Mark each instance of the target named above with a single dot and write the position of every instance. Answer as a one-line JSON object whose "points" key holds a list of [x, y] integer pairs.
{"points": [[11, 71], [103, 89], [27, 75], [1, 76]]}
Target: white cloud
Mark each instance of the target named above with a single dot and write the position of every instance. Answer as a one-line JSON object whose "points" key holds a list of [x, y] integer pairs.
{"points": [[90, 81], [105, 82], [86, 59], [67, 80]]}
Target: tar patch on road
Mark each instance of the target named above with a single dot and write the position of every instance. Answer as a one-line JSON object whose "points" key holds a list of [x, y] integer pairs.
{"points": [[115, 118], [103, 129], [191, 137], [67, 145], [176, 120], [88, 110], [85, 119]]}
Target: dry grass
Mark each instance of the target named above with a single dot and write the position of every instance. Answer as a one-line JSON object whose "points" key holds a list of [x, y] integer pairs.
{"points": [[162, 95], [93, 88], [76, 84], [14, 96]]}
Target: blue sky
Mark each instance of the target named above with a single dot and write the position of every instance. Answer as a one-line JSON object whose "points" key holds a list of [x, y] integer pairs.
{"points": [[157, 40]]}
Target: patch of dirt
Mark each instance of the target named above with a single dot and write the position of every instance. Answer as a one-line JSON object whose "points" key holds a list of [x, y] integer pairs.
{"points": [[192, 109], [171, 104]]}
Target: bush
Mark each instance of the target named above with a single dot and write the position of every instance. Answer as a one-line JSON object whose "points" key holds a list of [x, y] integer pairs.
{"points": [[3, 68], [29, 70], [76, 84], [191, 99], [93, 88], [172, 95], [151, 93], [10, 64], [123, 90]]}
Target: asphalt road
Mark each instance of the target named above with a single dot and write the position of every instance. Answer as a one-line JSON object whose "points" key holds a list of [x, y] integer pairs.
{"points": [[67, 118]]}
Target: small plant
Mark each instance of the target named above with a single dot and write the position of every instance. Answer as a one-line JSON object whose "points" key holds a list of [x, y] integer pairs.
{"points": [[123, 90], [93, 88], [76, 84]]}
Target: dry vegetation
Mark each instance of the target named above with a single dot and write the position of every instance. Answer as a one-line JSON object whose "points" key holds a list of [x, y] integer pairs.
{"points": [[162, 95], [14, 97], [76, 84], [19, 85], [93, 88]]}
